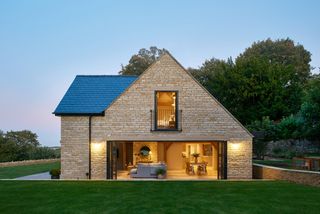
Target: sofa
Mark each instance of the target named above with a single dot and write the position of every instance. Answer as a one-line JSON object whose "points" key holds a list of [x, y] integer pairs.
{"points": [[147, 170]]}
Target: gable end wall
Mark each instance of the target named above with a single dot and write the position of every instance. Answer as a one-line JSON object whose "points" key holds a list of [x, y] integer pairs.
{"points": [[128, 118]]}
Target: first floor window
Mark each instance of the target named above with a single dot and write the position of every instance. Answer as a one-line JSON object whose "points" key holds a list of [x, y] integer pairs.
{"points": [[166, 110]]}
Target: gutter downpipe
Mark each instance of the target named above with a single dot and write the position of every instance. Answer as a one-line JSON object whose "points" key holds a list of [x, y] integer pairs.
{"points": [[90, 117]]}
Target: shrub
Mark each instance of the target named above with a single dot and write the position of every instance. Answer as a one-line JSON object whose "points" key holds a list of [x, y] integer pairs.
{"points": [[260, 148], [290, 127], [290, 154], [161, 171], [277, 151], [55, 172]]}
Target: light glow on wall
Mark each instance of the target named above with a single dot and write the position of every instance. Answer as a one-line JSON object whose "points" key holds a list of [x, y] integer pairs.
{"points": [[96, 147], [235, 146]]}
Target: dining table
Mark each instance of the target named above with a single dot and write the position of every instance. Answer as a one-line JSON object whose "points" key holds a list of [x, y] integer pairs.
{"points": [[203, 164]]}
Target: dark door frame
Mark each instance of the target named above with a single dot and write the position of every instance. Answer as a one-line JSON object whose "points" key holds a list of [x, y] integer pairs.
{"points": [[222, 159], [111, 163]]}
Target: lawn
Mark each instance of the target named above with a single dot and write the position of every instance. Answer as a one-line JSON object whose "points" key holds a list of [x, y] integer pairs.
{"points": [[18, 171], [157, 197]]}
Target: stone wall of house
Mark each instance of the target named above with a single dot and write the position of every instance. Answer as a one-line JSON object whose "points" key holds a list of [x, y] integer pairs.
{"points": [[297, 176], [98, 160], [128, 119], [203, 118], [74, 147], [239, 159]]}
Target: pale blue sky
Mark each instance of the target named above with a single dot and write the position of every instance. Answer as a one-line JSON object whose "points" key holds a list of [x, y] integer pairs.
{"points": [[44, 44]]}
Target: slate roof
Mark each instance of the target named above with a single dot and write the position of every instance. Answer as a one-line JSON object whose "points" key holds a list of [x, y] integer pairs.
{"points": [[92, 94]]}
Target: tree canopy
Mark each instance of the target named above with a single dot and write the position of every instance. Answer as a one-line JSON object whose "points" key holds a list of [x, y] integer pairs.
{"points": [[304, 124], [260, 80], [310, 109], [23, 145], [139, 62]]}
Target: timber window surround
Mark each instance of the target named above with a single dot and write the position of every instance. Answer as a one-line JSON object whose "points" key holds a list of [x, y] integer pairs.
{"points": [[166, 110]]}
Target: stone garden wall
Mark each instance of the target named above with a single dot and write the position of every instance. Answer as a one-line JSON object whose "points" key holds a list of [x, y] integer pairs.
{"points": [[27, 162], [298, 176]]}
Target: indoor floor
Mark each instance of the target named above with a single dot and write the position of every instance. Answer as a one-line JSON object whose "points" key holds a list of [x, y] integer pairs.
{"points": [[172, 175]]}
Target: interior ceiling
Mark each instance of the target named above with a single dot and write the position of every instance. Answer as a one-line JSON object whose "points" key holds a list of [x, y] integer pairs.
{"points": [[165, 98]]}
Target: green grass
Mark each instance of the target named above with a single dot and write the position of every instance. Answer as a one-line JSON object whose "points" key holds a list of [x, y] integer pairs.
{"points": [[18, 171], [157, 197]]}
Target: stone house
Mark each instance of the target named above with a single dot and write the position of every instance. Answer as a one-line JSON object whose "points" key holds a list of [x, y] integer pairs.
{"points": [[112, 123]]}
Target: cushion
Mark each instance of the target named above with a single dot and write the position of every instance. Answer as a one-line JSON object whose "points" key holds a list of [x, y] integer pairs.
{"points": [[133, 171]]}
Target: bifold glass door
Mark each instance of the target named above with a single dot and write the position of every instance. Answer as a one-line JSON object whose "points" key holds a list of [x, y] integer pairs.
{"points": [[222, 160], [111, 160]]}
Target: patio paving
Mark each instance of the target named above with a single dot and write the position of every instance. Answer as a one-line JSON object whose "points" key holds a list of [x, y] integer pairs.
{"points": [[38, 176]]}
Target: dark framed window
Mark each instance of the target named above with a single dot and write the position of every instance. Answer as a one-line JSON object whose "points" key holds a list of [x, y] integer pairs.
{"points": [[166, 110]]}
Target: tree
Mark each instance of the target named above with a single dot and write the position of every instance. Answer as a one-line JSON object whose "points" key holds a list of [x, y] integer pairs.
{"points": [[304, 124], [266, 80], [310, 109], [282, 52], [1, 136], [46, 152], [212, 75], [275, 71], [23, 138], [23, 145], [290, 128], [26, 143], [138, 63], [264, 131], [8, 150]]}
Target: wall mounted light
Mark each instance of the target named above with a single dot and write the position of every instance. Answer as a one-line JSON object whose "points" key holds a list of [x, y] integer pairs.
{"points": [[96, 147], [235, 146]]}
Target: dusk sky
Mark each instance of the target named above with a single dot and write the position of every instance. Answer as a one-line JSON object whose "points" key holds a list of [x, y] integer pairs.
{"points": [[45, 44]]}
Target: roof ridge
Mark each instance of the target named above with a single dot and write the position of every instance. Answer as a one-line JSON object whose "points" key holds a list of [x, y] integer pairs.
{"points": [[107, 75]]}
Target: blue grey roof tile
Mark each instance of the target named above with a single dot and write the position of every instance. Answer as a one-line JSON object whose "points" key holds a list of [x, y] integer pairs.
{"points": [[92, 94]]}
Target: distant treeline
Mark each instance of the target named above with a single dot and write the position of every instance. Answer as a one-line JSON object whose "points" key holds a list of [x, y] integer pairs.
{"points": [[24, 145]]}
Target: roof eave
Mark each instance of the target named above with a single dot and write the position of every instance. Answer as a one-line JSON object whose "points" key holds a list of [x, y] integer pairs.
{"points": [[78, 114]]}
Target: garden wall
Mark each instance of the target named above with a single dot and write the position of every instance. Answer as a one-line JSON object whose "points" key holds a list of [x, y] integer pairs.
{"points": [[298, 176], [27, 162]]}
